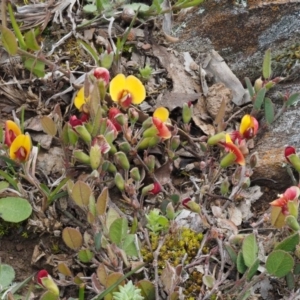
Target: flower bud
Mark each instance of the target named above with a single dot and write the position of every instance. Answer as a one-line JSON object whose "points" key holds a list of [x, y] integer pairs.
{"points": [[148, 142], [95, 157], [170, 211], [121, 119], [133, 115], [72, 135], [109, 167], [102, 143], [292, 222], [147, 123], [225, 187], [191, 205], [228, 160], [122, 160], [125, 147], [120, 182], [81, 156], [269, 85], [102, 74], [147, 189], [150, 132], [253, 160], [150, 163], [135, 174], [175, 142], [47, 282], [215, 139], [246, 183], [107, 59], [258, 84], [294, 161], [83, 133], [237, 240], [187, 112]]}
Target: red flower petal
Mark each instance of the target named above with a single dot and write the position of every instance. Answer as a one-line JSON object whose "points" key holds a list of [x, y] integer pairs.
{"points": [[156, 188], [163, 130], [240, 159], [289, 150], [41, 274]]}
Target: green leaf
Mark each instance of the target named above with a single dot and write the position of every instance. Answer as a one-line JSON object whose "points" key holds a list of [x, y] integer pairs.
{"points": [[3, 185], [289, 243], [85, 255], [297, 269], [49, 296], [7, 275], [35, 66], [89, 8], [118, 230], [90, 50], [231, 252], [249, 87], [252, 270], [147, 289], [240, 263], [267, 65], [9, 179], [97, 240], [129, 246], [249, 250], [279, 263], [209, 281], [259, 99], [72, 238], [15, 26], [30, 40], [9, 40], [290, 280], [269, 110], [293, 99], [15, 209]]}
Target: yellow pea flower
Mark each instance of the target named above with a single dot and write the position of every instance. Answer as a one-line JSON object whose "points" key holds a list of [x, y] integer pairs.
{"points": [[12, 130], [20, 148], [127, 90]]}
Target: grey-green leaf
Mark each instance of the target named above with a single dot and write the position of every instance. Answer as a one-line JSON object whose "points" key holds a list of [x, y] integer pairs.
{"points": [[253, 269], [269, 110], [267, 65], [118, 231], [279, 263], [249, 250], [259, 99], [240, 263], [289, 243], [293, 99], [7, 275], [249, 87], [14, 209]]}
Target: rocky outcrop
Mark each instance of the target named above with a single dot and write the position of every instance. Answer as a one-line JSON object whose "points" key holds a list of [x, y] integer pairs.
{"points": [[242, 34]]}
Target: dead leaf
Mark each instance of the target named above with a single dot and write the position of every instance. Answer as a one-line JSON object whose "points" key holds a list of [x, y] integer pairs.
{"points": [[169, 278], [216, 94], [208, 129], [215, 64], [235, 215], [51, 161], [44, 140], [163, 174], [172, 100], [182, 83]]}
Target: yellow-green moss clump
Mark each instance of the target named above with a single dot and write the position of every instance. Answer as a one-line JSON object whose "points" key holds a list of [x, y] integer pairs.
{"points": [[176, 246]]}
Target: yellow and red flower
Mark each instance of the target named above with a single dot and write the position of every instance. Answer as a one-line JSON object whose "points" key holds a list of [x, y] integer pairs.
{"points": [[20, 148], [248, 127], [12, 130], [127, 90], [287, 204], [234, 156], [159, 119]]}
